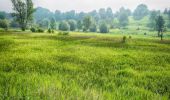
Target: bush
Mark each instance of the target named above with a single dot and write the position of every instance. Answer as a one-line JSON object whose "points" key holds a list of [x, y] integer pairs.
{"points": [[33, 29], [124, 39], [130, 37], [4, 24], [40, 30], [104, 28], [49, 30], [64, 26]]}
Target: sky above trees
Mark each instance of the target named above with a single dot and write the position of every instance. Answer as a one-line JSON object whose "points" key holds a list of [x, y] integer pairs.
{"points": [[88, 5]]}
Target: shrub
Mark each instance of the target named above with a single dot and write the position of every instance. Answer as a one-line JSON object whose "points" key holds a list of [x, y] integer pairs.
{"points": [[4, 24], [104, 28], [33, 29], [130, 37], [49, 30], [64, 26], [124, 39], [145, 34], [40, 30]]}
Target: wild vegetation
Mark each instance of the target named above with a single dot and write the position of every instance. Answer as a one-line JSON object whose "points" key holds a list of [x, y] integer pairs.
{"points": [[98, 55]]}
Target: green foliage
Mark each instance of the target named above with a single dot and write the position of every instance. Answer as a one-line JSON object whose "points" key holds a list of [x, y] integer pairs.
{"points": [[79, 25], [14, 24], [87, 21], [152, 19], [2, 15], [123, 17], [140, 12], [53, 24], [104, 28], [23, 12], [124, 39], [72, 24], [33, 29], [39, 30], [160, 24], [64, 26], [4, 24], [44, 23], [93, 28]]}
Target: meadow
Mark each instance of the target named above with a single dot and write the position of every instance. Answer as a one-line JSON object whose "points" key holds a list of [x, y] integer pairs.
{"points": [[84, 66]]}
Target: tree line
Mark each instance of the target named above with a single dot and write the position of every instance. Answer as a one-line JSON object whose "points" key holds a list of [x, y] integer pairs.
{"points": [[26, 16]]}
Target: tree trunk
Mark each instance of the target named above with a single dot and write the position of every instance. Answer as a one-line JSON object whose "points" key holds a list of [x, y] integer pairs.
{"points": [[161, 36], [158, 33]]}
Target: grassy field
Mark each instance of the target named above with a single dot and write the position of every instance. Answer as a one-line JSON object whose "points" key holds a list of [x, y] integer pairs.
{"points": [[84, 66]]}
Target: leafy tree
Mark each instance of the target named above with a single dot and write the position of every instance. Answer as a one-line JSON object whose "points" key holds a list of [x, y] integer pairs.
{"points": [[115, 23], [44, 23], [2, 15], [160, 23], [166, 11], [53, 24], [14, 24], [152, 19], [43, 13], [102, 13], [93, 27], [87, 21], [58, 15], [104, 28], [168, 18], [4, 24], [72, 24], [123, 17], [79, 25], [64, 26], [140, 12], [23, 12]]}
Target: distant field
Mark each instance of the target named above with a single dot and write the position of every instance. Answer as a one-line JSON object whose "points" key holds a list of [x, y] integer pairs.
{"points": [[84, 66]]}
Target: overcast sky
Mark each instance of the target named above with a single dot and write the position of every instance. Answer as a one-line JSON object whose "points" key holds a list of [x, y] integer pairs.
{"points": [[88, 5]]}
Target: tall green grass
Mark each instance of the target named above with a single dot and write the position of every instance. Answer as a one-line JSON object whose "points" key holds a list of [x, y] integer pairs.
{"points": [[83, 66]]}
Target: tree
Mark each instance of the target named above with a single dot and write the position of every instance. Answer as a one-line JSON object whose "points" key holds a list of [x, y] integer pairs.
{"points": [[2, 15], [140, 12], [160, 26], [152, 19], [104, 28], [123, 17], [166, 11], [168, 18], [87, 21], [44, 23], [64, 26], [102, 13], [23, 12], [79, 25], [4, 24], [53, 24], [72, 24], [93, 27]]}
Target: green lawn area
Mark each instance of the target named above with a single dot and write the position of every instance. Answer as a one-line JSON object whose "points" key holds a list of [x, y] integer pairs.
{"points": [[84, 66]]}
